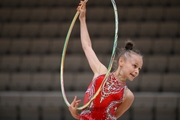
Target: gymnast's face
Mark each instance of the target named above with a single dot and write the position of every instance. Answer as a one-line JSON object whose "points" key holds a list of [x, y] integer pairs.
{"points": [[131, 66]]}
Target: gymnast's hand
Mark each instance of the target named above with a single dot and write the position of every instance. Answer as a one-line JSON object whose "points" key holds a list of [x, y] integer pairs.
{"points": [[73, 108], [82, 9]]}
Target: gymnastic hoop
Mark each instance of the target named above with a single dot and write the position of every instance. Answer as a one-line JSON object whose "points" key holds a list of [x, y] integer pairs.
{"points": [[110, 63]]}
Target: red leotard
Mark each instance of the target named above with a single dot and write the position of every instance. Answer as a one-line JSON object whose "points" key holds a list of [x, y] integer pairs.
{"points": [[105, 104]]}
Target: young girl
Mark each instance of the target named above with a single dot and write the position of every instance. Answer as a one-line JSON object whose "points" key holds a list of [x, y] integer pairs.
{"points": [[114, 98]]}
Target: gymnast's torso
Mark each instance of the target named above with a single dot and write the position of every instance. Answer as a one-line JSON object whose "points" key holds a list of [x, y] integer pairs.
{"points": [[103, 107]]}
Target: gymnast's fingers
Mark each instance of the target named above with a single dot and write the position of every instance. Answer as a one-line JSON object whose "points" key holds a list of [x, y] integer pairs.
{"points": [[77, 103]]}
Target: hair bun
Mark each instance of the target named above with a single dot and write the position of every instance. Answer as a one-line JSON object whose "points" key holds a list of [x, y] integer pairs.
{"points": [[129, 45]]}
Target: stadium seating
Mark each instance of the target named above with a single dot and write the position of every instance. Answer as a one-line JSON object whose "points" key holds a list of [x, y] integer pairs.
{"points": [[32, 36]]}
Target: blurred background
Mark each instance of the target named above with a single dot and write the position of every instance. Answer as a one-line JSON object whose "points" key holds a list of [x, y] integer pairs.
{"points": [[32, 35]]}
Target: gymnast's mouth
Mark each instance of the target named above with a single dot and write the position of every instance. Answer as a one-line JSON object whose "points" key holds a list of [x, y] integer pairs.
{"points": [[132, 75]]}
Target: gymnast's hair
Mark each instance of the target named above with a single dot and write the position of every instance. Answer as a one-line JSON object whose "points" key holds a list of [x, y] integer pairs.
{"points": [[126, 52]]}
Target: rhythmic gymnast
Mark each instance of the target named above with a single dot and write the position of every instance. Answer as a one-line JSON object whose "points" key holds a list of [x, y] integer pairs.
{"points": [[114, 98]]}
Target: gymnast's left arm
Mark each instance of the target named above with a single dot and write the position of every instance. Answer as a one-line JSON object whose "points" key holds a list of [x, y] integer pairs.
{"points": [[125, 105], [73, 108]]}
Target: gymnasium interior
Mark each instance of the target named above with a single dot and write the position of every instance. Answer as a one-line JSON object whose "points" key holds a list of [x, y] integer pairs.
{"points": [[32, 36]]}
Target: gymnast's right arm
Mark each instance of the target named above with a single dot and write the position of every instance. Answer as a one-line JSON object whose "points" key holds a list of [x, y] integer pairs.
{"points": [[96, 66]]}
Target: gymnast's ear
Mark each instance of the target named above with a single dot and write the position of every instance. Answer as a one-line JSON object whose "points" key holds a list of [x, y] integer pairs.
{"points": [[121, 61]]}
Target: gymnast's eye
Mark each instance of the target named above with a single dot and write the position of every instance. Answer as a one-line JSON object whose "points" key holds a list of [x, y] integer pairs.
{"points": [[134, 65]]}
